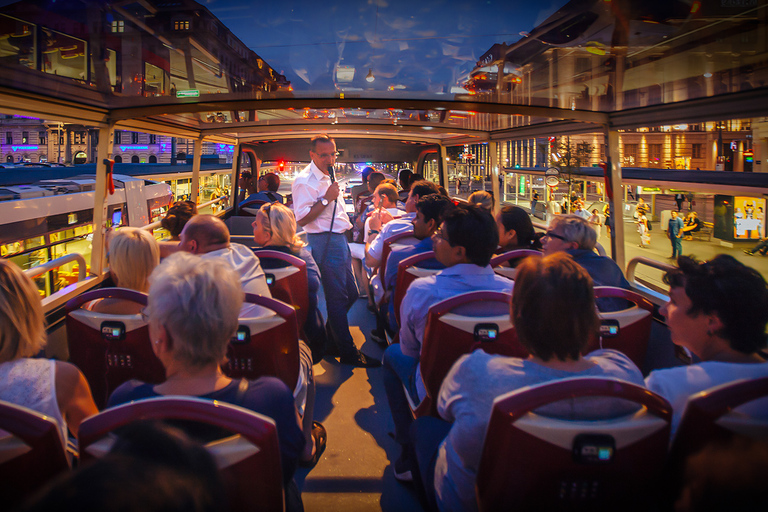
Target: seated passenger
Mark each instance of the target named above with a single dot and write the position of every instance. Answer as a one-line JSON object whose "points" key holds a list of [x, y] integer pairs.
{"points": [[266, 189], [430, 211], [718, 310], [193, 313], [404, 180], [482, 199], [515, 230], [133, 255], [275, 228], [177, 217], [54, 388], [363, 187], [546, 288], [208, 237], [374, 249], [574, 235], [384, 210], [464, 244]]}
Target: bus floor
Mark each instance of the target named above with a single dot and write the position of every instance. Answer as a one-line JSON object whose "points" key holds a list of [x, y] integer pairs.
{"points": [[355, 472]]}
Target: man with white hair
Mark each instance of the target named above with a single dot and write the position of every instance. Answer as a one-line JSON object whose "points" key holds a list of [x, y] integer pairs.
{"points": [[575, 236], [208, 237]]}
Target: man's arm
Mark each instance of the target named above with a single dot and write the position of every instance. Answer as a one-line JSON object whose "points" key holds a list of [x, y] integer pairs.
{"points": [[317, 208]]}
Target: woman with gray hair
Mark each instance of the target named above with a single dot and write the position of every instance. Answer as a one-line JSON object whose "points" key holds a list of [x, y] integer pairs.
{"points": [[192, 314]]}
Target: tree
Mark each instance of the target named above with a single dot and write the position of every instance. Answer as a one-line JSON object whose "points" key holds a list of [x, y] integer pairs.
{"points": [[568, 157]]}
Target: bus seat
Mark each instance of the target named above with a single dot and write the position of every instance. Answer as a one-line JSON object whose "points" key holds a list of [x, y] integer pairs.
{"points": [[248, 461], [110, 349], [252, 207], [513, 257], [456, 326], [634, 325], [266, 342], [411, 268], [402, 239], [240, 225], [710, 416], [31, 452], [287, 280], [546, 463]]}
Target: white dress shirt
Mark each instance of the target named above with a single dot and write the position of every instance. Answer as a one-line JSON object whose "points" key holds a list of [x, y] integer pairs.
{"points": [[308, 188]]}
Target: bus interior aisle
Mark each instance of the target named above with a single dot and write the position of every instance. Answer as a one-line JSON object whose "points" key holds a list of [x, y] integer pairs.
{"points": [[355, 472]]}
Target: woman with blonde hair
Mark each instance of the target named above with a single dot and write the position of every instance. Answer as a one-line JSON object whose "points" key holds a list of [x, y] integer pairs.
{"points": [[274, 228], [132, 255], [54, 388]]}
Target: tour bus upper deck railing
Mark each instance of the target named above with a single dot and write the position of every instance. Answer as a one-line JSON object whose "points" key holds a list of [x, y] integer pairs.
{"points": [[63, 260], [655, 296]]}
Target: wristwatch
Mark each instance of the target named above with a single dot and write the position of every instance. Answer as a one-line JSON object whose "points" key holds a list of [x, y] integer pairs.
{"points": [[324, 201]]}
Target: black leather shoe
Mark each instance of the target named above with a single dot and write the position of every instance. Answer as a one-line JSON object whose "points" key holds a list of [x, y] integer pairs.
{"points": [[360, 360]]}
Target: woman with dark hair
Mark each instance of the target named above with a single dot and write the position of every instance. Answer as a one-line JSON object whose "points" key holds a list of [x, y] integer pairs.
{"points": [[553, 311], [718, 310], [177, 217], [516, 230]]}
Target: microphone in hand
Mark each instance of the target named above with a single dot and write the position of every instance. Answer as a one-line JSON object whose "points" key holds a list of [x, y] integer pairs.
{"points": [[331, 174]]}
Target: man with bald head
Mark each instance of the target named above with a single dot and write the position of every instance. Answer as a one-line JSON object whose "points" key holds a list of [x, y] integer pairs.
{"points": [[208, 237]]}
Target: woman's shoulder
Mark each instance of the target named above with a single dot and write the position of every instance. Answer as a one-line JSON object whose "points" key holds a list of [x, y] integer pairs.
{"points": [[613, 363], [131, 390]]}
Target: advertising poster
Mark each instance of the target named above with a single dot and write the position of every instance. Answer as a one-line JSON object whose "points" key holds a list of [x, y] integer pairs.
{"points": [[748, 218]]}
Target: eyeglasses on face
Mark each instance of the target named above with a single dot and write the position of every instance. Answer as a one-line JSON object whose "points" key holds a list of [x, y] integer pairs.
{"points": [[439, 235], [552, 234]]}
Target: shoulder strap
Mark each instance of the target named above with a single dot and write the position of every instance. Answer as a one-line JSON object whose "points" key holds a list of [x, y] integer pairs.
{"points": [[272, 197]]}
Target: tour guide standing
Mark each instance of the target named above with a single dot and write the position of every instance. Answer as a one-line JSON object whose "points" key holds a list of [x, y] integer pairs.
{"points": [[675, 234], [315, 195]]}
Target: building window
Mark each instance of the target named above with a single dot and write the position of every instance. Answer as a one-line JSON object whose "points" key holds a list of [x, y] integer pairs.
{"points": [[118, 26], [77, 137], [118, 137], [630, 154], [181, 25], [697, 151], [118, 159], [9, 137], [61, 138], [654, 154], [134, 137], [24, 137], [152, 138], [43, 137]]}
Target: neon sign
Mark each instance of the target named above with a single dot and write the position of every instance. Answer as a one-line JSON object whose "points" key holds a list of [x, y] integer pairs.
{"points": [[134, 148], [24, 148], [225, 148]]}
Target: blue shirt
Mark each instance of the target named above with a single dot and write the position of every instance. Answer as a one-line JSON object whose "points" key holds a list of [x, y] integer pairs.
{"points": [[604, 272], [674, 227], [263, 196], [424, 292]]}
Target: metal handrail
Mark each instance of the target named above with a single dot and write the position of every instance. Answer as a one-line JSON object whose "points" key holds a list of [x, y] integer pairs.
{"points": [[63, 260], [156, 224], [655, 296]]}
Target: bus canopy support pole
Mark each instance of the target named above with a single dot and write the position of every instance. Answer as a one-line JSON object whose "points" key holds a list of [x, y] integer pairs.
{"points": [[103, 153], [617, 205], [493, 161], [198, 155], [234, 181], [444, 167]]}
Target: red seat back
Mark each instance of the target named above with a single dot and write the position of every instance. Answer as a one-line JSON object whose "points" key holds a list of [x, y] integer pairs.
{"points": [[634, 325], [408, 271], [266, 343], [249, 462], [287, 279], [110, 349], [31, 452], [404, 238], [504, 264], [543, 463], [710, 416], [455, 327]]}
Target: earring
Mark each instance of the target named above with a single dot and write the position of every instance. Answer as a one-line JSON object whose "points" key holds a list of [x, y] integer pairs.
{"points": [[157, 342]]}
